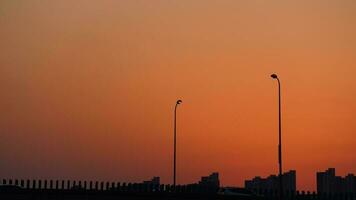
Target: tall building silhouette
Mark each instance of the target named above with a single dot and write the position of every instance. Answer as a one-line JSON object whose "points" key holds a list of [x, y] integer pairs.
{"points": [[329, 183], [272, 182]]}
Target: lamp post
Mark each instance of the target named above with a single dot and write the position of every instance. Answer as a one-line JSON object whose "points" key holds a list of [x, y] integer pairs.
{"points": [[175, 143], [274, 76]]}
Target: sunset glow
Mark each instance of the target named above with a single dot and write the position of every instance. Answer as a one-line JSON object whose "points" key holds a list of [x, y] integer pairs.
{"points": [[88, 88]]}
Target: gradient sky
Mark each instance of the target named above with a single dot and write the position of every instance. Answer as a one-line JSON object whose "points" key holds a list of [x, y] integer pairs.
{"points": [[88, 88]]}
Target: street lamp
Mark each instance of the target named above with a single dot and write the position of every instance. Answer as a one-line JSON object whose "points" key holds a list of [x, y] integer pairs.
{"points": [[175, 134], [274, 76]]}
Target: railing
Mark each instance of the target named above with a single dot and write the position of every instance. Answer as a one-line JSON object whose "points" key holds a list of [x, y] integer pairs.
{"points": [[63, 185]]}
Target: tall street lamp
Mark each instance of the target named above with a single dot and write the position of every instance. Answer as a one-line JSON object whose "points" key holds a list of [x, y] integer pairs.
{"points": [[175, 143], [274, 76]]}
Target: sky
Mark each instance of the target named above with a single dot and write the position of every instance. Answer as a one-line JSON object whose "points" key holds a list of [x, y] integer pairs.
{"points": [[88, 89]]}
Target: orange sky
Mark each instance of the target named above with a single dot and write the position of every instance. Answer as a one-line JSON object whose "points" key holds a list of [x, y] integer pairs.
{"points": [[88, 88]]}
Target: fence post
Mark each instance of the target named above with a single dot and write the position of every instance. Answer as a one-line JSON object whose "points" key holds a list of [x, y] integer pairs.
{"points": [[128, 187], [118, 186], [124, 187], [96, 185], [184, 188], [112, 185], [101, 185], [168, 188], [179, 189]]}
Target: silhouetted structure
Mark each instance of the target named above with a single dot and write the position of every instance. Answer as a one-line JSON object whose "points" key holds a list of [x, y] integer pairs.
{"points": [[175, 142], [211, 180], [328, 183], [272, 182], [207, 184], [154, 181], [65, 189], [21, 189], [274, 76]]}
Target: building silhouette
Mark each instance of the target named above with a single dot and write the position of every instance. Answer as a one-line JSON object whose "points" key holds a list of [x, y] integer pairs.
{"points": [[154, 181], [208, 184], [212, 180], [272, 182], [329, 183]]}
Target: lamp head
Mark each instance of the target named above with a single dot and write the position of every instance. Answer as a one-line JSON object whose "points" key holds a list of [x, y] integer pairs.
{"points": [[274, 76], [179, 101]]}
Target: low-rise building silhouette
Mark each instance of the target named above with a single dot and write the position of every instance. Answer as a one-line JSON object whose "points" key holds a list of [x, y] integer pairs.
{"points": [[211, 180], [272, 182], [154, 181], [209, 184], [329, 183]]}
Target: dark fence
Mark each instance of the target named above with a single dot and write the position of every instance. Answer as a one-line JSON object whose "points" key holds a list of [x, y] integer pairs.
{"points": [[59, 187], [64, 185]]}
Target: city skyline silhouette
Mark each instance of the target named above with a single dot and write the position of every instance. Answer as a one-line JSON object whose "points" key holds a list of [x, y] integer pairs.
{"points": [[88, 89]]}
